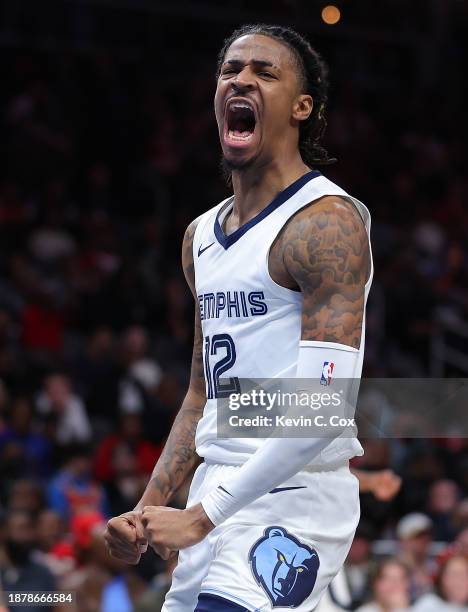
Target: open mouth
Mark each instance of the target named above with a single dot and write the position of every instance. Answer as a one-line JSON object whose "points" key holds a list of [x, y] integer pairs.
{"points": [[240, 122]]}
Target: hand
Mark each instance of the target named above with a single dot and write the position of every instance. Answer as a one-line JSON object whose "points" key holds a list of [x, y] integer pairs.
{"points": [[125, 537], [384, 484], [167, 529]]}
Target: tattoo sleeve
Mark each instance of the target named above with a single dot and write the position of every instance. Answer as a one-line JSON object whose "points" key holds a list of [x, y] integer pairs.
{"points": [[326, 251], [179, 458]]}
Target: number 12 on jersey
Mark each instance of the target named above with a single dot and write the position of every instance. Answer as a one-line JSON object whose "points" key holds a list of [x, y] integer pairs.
{"points": [[220, 343]]}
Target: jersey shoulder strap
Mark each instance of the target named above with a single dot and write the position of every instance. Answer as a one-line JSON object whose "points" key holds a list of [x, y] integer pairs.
{"points": [[204, 231]]}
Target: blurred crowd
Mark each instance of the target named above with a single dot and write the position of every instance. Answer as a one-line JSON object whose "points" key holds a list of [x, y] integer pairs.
{"points": [[105, 159]]}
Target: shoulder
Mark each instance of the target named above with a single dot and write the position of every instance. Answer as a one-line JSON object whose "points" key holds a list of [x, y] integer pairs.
{"points": [[327, 234], [201, 220], [190, 232], [188, 240], [370, 607], [187, 253], [328, 211], [430, 603]]}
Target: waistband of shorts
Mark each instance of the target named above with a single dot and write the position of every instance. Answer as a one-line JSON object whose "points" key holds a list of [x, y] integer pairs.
{"points": [[312, 468]]}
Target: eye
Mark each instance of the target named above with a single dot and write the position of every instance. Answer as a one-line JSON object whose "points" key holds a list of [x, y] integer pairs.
{"points": [[281, 558], [300, 569], [267, 74]]}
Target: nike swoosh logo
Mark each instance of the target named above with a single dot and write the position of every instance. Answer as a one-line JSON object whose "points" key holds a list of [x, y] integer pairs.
{"points": [[280, 489], [200, 250], [223, 489]]}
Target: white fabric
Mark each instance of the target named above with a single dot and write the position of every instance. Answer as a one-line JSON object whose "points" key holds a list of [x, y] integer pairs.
{"points": [[73, 424], [266, 336], [375, 607], [256, 477], [433, 603], [322, 515]]}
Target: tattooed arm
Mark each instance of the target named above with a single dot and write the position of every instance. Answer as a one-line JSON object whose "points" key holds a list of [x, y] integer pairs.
{"points": [[325, 251], [125, 535], [179, 457]]}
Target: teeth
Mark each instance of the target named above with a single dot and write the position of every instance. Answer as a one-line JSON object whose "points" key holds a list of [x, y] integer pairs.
{"points": [[241, 105], [233, 136]]}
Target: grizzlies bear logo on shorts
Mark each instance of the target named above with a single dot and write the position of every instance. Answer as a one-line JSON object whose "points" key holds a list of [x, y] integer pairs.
{"points": [[284, 567]]}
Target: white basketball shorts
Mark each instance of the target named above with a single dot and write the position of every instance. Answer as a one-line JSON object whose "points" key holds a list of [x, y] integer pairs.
{"points": [[278, 553]]}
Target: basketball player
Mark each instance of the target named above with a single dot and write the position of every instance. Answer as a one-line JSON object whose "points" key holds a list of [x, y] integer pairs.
{"points": [[280, 273]]}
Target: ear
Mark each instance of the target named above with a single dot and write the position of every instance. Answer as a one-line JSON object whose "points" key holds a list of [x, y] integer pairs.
{"points": [[274, 532], [302, 107]]}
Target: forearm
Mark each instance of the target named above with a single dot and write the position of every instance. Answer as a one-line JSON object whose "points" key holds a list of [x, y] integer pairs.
{"points": [[256, 477], [279, 459], [366, 480], [178, 458]]}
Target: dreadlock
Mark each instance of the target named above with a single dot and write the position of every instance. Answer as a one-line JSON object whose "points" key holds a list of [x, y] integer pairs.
{"points": [[314, 81]]}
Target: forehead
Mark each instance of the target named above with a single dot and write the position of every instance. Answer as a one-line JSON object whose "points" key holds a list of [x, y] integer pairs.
{"points": [[17, 521], [260, 47], [392, 570]]}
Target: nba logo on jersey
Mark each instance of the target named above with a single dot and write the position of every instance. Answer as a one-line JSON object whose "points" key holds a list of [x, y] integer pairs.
{"points": [[327, 372]]}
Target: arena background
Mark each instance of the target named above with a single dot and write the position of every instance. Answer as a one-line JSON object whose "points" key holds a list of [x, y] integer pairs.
{"points": [[108, 150]]}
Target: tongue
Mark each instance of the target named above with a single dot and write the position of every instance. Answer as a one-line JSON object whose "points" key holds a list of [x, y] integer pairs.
{"points": [[241, 128], [241, 133]]}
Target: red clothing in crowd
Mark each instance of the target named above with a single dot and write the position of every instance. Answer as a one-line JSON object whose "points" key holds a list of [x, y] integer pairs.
{"points": [[145, 452]]}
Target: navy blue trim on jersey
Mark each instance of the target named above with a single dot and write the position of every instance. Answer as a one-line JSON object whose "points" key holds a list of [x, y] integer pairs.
{"points": [[227, 241], [213, 603]]}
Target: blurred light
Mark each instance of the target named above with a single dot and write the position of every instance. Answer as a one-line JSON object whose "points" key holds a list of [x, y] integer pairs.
{"points": [[331, 14]]}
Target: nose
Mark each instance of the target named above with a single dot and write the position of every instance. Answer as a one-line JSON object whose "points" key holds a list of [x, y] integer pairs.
{"points": [[243, 82]]}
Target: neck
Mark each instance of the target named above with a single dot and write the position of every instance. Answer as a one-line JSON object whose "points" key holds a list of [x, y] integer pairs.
{"points": [[254, 188]]}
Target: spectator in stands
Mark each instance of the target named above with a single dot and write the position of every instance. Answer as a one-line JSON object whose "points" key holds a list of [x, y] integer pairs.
{"points": [[390, 588], [58, 399], [461, 542], [54, 544], [73, 489], [81, 528], [152, 600], [43, 323], [18, 570], [31, 450], [460, 516], [127, 484], [131, 435], [101, 582], [142, 374], [95, 373], [451, 588], [26, 495], [443, 499], [414, 532]]}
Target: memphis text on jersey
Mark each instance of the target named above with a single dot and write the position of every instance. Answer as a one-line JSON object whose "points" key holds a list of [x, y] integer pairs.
{"points": [[233, 304]]}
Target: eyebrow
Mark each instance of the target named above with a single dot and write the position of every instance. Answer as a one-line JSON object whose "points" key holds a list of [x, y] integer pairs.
{"points": [[258, 62]]}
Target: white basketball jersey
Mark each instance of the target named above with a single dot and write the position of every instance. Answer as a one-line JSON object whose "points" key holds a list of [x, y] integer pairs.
{"points": [[251, 325]]}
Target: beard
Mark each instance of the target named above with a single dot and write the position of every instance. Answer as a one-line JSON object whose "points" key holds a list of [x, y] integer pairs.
{"points": [[228, 165]]}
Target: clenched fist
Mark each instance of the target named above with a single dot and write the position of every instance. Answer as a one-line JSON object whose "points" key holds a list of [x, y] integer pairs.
{"points": [[125, 537], [168, 530]]}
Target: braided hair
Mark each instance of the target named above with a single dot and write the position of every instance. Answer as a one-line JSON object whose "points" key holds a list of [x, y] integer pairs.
{"points": [[313, 73]]}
